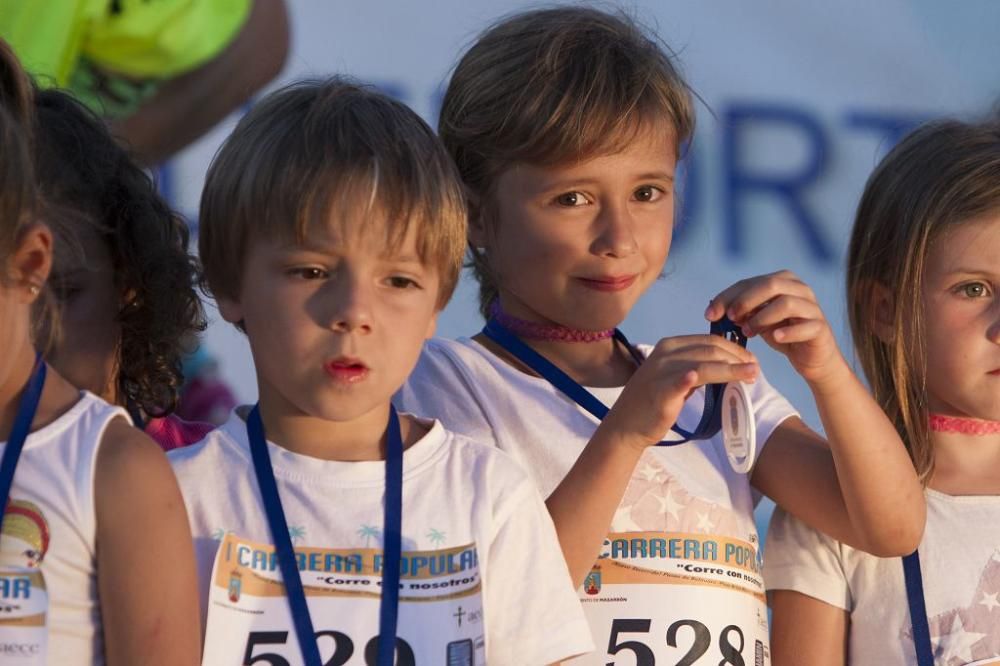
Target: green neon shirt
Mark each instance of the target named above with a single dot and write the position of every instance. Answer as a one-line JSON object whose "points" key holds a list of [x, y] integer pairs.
{"points": [[113, 52]]}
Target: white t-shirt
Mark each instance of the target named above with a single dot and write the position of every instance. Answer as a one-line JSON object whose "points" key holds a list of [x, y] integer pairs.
{"points": [[459, 497], [681, 556], [959, 563], [51, 524]]}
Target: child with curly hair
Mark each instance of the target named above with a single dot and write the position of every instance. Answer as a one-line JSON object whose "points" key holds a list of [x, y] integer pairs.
{"points": [[123, 278]]}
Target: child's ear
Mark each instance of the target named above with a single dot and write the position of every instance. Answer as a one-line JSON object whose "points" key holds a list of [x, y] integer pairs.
{"points": [[883, 312], [31, 262], [231, 310]]}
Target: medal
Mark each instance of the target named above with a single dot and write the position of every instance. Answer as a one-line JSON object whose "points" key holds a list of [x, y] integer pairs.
{"points": [[739, 432], [711, 422]]}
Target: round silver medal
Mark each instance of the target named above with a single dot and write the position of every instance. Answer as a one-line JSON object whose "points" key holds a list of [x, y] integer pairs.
{"points": [[739, 432]]}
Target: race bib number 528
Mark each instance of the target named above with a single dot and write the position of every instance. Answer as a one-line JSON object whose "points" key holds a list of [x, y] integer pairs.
{"points": [[672, 599]]}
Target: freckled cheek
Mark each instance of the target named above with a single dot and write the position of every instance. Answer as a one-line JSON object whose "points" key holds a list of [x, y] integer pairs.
{"points": [[655, 235], [535, 238], [553, 255], [546, 251], [951, 371], [942, 328]]}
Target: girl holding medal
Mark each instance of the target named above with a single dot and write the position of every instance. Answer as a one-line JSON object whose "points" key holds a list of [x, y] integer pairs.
{"points": [[923, 292], [566, 126], [95, 556]]}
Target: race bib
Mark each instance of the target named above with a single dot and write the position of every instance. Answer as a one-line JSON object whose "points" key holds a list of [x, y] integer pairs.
{"points": [[249, 622], [673, 599], [24, 604]]}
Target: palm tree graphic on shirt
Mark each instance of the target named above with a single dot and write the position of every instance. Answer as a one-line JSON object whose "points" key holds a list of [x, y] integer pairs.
{"points": [[436, 536], [369, 532]]}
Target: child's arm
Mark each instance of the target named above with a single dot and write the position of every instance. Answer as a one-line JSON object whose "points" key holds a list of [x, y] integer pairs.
{"points": [[584, 503], [187, 105], [145, 559], [807, 576], [807, 631], [862, 490]]}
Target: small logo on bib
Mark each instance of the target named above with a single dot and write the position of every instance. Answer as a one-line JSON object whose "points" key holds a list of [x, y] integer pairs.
{"points": [[235, 586], [592, 585]]}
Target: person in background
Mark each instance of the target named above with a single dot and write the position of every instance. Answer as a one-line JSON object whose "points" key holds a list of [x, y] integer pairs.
{"points": [[205, 397], [160, 73], [123, 280]]}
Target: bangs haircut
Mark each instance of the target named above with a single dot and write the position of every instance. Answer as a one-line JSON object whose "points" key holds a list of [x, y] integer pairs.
{"points": [[331, 153], [553, 86], [939, 177]]}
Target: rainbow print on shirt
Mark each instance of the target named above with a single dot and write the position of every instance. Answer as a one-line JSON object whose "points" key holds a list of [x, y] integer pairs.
{"points": [[24, 535]]}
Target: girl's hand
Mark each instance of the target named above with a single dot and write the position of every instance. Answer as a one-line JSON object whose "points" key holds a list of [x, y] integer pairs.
{"points": [[783, 310], [653, 397]]}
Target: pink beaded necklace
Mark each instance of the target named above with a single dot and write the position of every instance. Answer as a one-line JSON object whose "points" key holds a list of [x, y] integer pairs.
{"points": [[535, 331], [965, 426]]}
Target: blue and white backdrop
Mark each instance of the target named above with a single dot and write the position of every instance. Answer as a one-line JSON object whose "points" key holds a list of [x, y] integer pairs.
{"points": [[802, 99]]}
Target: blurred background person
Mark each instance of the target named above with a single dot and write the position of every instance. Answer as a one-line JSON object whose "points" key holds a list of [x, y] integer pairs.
{"points": [[125, 286], [161, 73]]}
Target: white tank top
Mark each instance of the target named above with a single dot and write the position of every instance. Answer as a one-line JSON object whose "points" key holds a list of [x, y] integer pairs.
{"points": [[50, 523]]}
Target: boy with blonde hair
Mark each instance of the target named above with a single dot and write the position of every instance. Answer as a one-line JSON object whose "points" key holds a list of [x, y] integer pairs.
{"points": [[332, 233]]}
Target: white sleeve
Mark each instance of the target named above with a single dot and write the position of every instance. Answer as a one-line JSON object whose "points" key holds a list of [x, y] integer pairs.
{"points": [[438, 388], [533, 615], [770, 409], [801, 559]]}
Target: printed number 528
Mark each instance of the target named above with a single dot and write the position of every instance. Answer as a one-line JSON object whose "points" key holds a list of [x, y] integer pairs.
{"points": [[701, 644], [343, 652]]}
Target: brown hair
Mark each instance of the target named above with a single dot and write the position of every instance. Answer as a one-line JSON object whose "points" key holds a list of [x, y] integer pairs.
{"points": [[330, 150], [86, 179], [550, 86], [942, 175], [17, 191]]}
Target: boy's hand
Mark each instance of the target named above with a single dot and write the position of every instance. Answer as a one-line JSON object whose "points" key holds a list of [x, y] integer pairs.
{"points": [[783, 310], [653, 397]]}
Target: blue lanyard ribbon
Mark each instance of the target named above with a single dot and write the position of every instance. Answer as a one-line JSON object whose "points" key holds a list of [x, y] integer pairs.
{"points": [[26, 409], [287, 562], [918, 609], [711, 418]]}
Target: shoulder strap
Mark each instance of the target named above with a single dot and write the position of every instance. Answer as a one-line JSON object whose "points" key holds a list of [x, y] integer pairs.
{"points": [[918, 611]]}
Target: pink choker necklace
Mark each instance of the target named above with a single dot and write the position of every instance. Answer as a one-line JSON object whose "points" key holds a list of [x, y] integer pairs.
{"points": [[535, 331], [966, 426]]}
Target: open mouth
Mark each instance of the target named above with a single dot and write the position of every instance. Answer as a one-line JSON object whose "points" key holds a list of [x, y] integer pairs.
{"points": [[347, 370]]}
